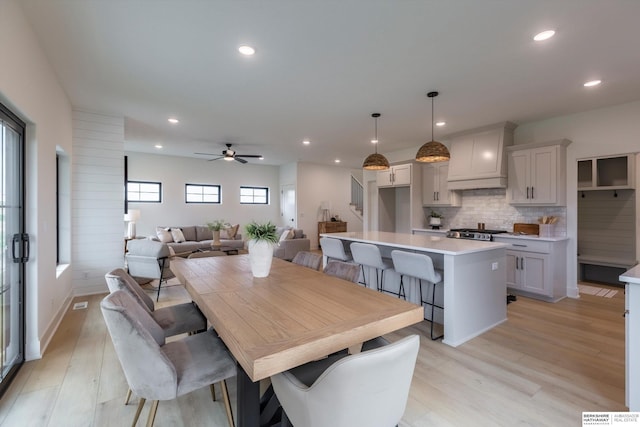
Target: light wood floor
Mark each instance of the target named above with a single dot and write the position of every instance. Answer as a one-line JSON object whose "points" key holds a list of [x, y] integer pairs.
{"points": [[543, 367]]}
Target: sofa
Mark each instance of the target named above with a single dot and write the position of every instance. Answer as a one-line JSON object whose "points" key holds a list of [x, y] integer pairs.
{"points": [[194, 237], [291, 241]]}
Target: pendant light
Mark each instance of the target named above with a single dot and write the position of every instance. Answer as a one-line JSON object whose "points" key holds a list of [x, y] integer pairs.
{"points": [[375, 161], [432, 151]]}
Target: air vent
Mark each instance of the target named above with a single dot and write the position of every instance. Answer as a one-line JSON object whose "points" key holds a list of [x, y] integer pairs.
{"points": [[80, 305]]}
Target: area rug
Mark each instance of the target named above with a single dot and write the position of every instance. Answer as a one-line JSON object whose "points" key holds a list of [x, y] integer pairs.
{"points": [[599, 292]]}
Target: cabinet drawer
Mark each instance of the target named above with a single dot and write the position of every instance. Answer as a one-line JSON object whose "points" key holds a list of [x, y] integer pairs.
{"points": [[526, 245]]}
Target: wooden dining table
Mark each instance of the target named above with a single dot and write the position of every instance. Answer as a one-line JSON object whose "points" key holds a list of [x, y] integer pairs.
{"points": [[293, 316]]}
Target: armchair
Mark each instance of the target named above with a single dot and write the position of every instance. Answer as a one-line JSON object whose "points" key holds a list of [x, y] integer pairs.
{"points": [[149, 259]]}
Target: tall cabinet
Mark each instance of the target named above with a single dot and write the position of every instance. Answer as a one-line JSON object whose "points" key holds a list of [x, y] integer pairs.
{"points": [[399, 198], [537, 173], [435, 189]]}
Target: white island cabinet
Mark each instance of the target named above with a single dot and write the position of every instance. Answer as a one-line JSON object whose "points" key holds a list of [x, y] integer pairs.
{"points": [[632, 337], [474, 275]]}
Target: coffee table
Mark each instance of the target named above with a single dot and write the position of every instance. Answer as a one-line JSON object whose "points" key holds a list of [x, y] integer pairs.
{"points": [[226, 249]]}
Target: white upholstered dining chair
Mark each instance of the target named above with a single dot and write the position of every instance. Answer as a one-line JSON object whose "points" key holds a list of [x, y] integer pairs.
{"points": [[365, 389]]}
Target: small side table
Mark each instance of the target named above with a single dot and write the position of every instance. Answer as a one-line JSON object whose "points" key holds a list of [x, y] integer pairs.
{"points": [[331, 227]]}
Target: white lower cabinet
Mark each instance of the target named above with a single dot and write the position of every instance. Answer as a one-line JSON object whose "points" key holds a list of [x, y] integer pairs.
{"points": [[536, 268]]}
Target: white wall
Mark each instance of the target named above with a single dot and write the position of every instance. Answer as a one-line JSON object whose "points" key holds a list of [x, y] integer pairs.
{"points": [[174, 172], [28, 86], [317, 183], [98, 199]]}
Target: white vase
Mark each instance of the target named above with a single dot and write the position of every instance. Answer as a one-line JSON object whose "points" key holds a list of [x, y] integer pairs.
{"points": [[260, 257]]}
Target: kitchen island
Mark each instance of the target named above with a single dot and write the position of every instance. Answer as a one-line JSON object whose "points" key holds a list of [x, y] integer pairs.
{"points": [[474, 276]]}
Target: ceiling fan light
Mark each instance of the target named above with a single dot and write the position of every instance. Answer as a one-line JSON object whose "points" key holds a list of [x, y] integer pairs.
{"points": [[433, 151], [228, 158]]}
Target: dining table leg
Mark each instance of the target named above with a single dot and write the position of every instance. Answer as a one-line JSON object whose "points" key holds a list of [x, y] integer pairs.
{"points": [[248, 412]]}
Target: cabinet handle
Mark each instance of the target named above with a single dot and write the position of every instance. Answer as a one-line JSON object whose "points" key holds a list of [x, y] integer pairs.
{"points": [[517, 268], [438, 195], [532, 193], [519, 245], [434, 196], [625, 313], [527, 192], [522, 263]]}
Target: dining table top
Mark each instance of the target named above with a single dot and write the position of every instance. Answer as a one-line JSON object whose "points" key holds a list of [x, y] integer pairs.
{"points": [[292, 316]]}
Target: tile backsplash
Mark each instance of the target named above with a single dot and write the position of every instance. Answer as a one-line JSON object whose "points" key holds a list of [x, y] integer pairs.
{"points": [[490, 206]]}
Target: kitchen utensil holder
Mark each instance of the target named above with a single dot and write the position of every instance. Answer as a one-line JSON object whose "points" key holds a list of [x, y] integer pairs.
{"points": [[547, 230]]}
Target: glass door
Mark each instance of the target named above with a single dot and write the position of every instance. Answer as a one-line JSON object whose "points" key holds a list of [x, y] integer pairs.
{"points": [[14, 245]]}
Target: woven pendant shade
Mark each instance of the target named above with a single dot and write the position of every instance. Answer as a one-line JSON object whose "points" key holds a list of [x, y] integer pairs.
{"points": [[375, 161], [432, 151]]}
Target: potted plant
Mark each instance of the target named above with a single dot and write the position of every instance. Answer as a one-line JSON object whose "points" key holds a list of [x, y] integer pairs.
{"points": [[262, 238], [435, 220], [215, 226]]}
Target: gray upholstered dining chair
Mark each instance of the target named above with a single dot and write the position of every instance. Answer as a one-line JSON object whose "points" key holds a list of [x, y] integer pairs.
{"points": [[343, 270], [365, 389], [174, 320], [308, 259], [163, 371], [149, 259], [334, 249], [368, 255], [421, 267]]}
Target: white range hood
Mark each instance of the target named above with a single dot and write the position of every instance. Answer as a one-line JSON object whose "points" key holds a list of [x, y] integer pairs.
{"points": [[478, 157]]}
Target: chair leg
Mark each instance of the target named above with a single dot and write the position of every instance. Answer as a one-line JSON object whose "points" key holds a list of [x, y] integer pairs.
{"points": [[227, 403], [126, 399], [152, 413], [285, 420], [401, 292], [433, 307], [140, 406], [213, 391], [364, 276]]}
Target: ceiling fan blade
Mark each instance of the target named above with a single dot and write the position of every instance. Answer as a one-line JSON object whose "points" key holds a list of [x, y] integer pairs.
{"points": [[207, 154], [243, 161], [215, 158], [254, 156]]}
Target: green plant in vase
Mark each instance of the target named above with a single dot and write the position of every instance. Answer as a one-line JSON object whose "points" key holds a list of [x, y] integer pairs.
{"points": [[216, 226], [435, 220]]}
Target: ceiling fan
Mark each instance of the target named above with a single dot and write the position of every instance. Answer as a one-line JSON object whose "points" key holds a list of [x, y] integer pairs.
{"points": [[230, 155]]}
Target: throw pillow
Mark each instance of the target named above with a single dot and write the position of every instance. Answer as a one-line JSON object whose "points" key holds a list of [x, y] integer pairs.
{"points": [[286, 234], [177, 235], [164, 235], [233, 231]]}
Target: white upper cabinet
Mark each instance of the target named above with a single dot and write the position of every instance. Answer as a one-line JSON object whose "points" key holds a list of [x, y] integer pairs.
{"points": [[477, 157], [435, 190], [606, 173], [537, 174], [395, 176]]}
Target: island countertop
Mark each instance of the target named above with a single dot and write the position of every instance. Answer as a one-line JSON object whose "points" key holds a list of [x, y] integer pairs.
{"points": [[436, 244]]}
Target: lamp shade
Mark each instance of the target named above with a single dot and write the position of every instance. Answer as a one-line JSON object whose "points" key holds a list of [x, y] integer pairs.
{"points": [[375, 162], [433, 151], [132, 215]]}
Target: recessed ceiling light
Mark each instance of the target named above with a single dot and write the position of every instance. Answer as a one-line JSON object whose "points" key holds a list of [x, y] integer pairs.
{"points": [[246, 50], [173, 120], [306, 142], [374, 141], [544, 35], [337, 160], [158, 146], [441, 123], [592, 83]]}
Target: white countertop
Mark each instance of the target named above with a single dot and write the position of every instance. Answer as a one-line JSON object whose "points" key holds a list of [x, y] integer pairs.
{"points": [[506, 235], [436, 244], [631, 276]]}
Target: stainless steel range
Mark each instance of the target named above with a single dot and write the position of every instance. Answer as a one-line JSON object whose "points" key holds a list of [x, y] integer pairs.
{"points": [[473, 234]]}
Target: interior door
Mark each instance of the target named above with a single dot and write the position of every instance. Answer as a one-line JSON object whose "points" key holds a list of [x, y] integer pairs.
{"points": [[14, 245], [288, 205]]}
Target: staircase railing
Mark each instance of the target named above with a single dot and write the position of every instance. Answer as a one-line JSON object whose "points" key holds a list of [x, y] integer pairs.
{"points": [[357, 196]]}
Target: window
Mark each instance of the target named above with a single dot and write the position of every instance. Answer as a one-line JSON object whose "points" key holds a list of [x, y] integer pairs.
{"points": [[146, 192], [254, 195], [200, 193]]}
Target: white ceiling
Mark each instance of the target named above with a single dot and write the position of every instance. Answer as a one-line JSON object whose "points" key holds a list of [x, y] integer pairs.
{"points": [[322, 67]]}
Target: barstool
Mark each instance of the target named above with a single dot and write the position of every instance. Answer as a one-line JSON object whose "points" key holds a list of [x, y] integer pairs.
{"points": [[368, 255], [419, 266], [333, 249]]}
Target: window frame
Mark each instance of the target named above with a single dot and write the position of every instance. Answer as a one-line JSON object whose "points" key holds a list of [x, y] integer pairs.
{"points": [[218, 186], [252, 187], [158, 183]]}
